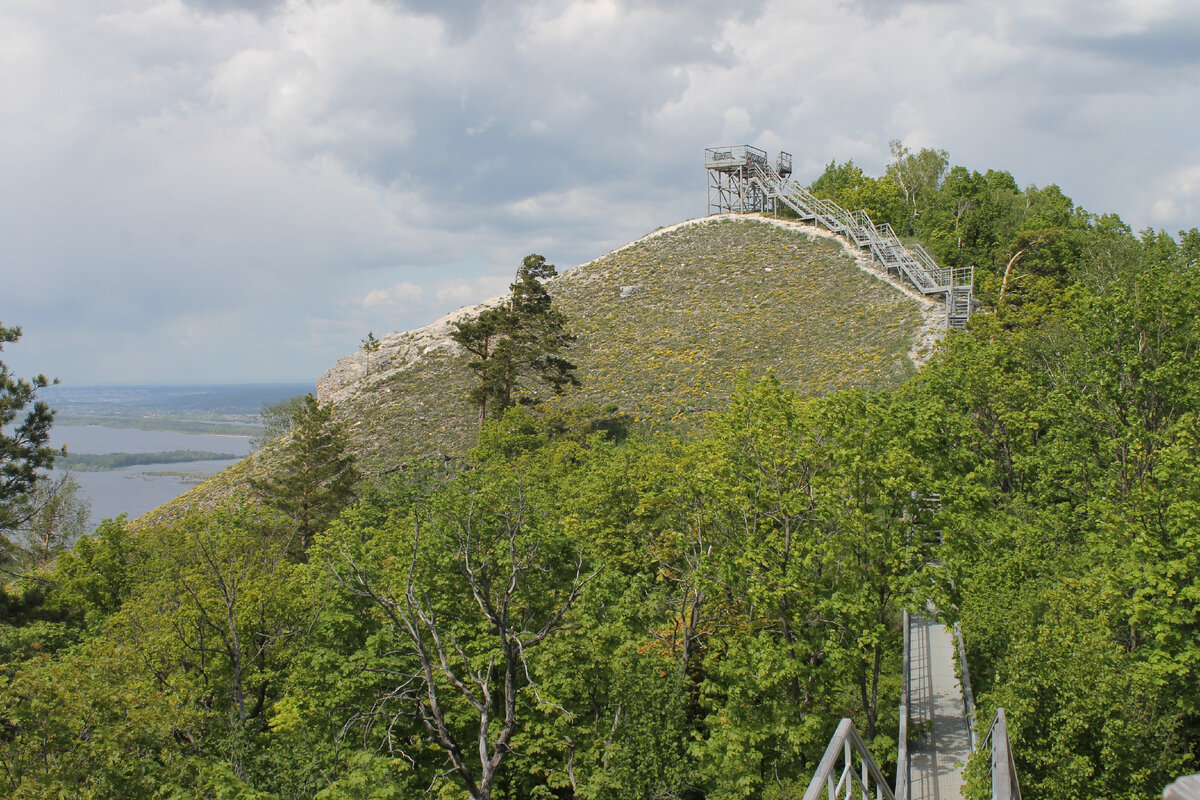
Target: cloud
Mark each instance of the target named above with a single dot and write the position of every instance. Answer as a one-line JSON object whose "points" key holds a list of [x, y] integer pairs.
{"points": [[257, 7], [398, 296], [461, 293], [191, 185], [1178, 197]]}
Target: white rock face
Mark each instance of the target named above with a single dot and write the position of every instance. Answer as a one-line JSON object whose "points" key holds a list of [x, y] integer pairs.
{"points": [[397, 352]]}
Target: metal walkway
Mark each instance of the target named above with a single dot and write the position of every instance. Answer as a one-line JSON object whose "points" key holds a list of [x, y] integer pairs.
{"points": [[741, 180], [936, 734], [939, 730]]}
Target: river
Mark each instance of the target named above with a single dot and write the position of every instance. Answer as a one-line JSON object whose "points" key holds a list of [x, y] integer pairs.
{"points": [[135, 490]]}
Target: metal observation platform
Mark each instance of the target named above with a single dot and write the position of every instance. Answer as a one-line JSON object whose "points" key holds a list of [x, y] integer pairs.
{"points": [[741, 179]]}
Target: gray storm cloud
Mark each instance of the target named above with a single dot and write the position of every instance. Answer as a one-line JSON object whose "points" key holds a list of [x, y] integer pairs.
{"points": [[240, 189]]}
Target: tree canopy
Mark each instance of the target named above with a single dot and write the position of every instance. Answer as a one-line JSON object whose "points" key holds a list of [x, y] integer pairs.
{"points": [[565, 613]]}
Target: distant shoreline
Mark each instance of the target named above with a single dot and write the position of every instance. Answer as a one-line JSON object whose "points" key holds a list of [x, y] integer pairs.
{"points": [[106, 462], [160, 424]]}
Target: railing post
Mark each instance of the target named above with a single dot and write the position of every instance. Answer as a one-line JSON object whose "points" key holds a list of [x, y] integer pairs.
{"points": [[849, 771]]}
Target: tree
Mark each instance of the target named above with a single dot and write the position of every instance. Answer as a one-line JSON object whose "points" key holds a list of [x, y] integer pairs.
{"points": [[278, 419], [466, 591], [315, 477], [517, 342], [57, 518], [23, 448], [849, 187], [90, 723], [370, 346], [919, 176]]}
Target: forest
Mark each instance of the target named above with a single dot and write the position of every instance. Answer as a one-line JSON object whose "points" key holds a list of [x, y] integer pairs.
{"points": [[575, 609]]}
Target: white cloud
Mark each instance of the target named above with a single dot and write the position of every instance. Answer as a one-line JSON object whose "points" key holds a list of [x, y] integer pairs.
{"points": [[187, 181], [1178, 197], [467, 292], [398, 296]]}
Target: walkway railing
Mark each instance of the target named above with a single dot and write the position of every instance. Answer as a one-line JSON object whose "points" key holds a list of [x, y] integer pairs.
{"points": [[968, 694], [1004, 769], [847, 770], [903, 784]]}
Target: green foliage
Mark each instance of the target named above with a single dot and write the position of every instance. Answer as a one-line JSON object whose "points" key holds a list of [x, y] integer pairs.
{"points": [[516, 342], [314, 477], [93, 723], [23, 439], [1081, 426], [847, 185], [577, 609], [96, 577]]}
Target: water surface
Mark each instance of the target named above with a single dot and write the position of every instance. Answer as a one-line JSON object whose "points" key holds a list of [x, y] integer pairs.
{"points": [[135, 490]]}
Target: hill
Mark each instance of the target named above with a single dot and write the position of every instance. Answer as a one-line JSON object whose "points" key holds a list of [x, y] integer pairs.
{"points": [[664, 325]]}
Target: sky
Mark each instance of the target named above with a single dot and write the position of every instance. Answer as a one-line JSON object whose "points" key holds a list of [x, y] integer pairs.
{"points": [[205, 191]]}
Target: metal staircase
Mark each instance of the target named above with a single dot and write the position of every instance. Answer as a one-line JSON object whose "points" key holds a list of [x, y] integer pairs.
{"points": [[741, 179]]}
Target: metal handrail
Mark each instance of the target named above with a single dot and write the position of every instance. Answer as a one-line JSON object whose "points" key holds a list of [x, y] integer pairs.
{"points": [[736, 152], [903, 787], [1004, 768], [968, 695], [843, 785], [912, 262]]}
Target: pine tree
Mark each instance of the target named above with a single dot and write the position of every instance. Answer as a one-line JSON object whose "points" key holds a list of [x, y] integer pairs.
{"points": [[58, 517], [24, 446], [316, 476], [518, 343], [370, 346]]}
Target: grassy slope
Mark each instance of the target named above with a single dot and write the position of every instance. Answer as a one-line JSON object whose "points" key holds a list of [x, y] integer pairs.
{"points": [[714, 299]]}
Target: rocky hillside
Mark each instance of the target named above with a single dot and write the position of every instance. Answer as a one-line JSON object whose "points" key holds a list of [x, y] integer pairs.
{"points": [[664, 326]]}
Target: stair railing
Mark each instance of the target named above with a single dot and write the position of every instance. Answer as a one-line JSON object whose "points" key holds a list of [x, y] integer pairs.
{"points": [[841, 777], [913, 262], [1004, 769]]}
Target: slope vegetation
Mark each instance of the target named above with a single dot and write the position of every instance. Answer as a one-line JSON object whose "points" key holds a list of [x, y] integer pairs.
{"points": [[664, 326]]}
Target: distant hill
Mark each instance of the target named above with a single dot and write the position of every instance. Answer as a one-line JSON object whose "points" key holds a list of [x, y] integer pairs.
{"points": [[664, 326]]}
